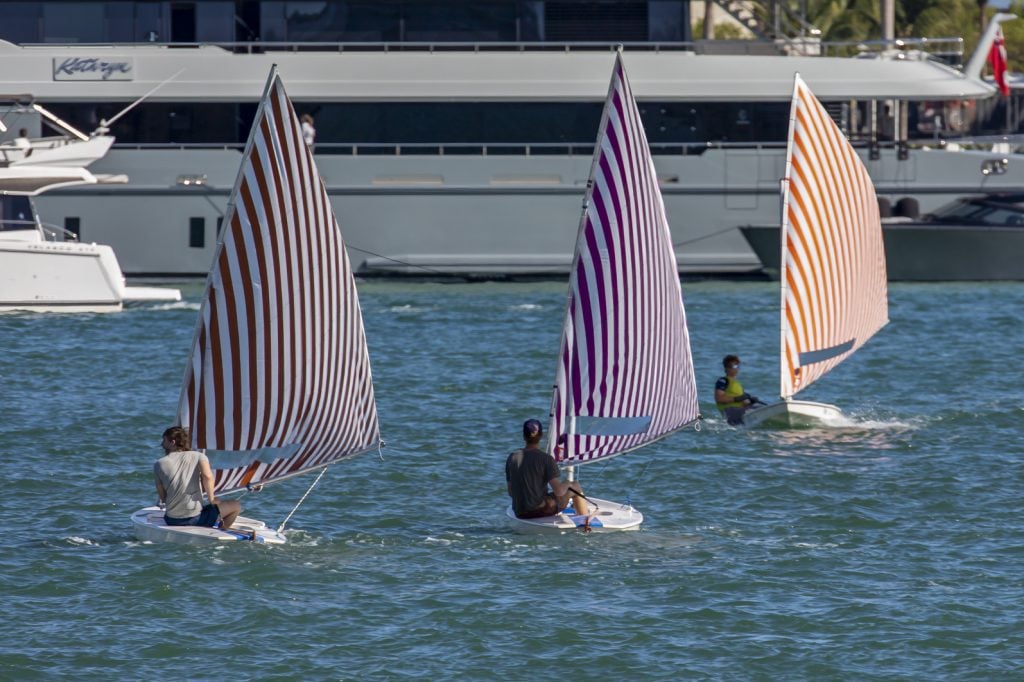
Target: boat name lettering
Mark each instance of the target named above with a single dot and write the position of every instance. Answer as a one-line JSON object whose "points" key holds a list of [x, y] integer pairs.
{"points": [[92, 68]]}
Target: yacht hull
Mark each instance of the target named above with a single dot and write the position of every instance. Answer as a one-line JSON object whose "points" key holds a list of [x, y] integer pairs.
{"points": [[489, 216], [923, 252]]}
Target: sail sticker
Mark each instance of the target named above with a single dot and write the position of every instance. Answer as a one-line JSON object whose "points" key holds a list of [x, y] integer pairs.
{"points": [[812, 356]]}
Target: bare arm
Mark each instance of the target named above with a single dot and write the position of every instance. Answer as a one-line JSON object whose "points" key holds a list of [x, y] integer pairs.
{"points": [[206, 473], [161, 492], [561, 489]]}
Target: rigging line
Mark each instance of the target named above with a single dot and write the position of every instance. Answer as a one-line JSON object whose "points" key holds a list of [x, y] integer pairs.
{"points": [[401, 262], [687, 242], [629, 493], [301, 500]]}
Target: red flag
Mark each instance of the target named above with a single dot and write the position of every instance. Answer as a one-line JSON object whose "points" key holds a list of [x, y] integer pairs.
{"points": [[997, 58]]}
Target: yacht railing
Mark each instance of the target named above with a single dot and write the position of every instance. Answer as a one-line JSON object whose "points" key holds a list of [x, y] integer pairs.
{"points": [[948, 50], [56, 233], [498, 148], [50, 232]]}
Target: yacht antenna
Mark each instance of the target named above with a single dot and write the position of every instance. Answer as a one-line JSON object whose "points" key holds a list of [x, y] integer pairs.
{"points": [[106, 123]]}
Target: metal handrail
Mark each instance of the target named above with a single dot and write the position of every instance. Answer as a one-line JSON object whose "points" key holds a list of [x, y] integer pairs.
{"points": [[830, 48], [51, 233]]}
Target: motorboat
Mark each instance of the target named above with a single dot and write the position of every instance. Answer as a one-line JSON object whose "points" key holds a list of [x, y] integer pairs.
{"points": [[43, 268], [973, 238]]}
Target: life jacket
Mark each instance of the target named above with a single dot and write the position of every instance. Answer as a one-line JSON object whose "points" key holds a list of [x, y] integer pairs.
{"points": [[734, 389]]}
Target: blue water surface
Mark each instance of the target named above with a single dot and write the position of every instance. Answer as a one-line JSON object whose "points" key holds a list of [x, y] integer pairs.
{"points": [[888, 549]]}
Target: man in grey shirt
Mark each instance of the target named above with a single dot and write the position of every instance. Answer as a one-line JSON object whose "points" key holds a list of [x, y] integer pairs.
{"points": [[529, 472]]}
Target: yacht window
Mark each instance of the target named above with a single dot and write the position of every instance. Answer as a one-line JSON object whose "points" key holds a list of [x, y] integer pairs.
{"points": [[963, 210], [120, 22], [73, 22], [668, 21], [589, 21], [197, 232], [215, 22], [468, 22], [148, 24], [15, 213], [21, 22], [1002, 216], [74, 226]]}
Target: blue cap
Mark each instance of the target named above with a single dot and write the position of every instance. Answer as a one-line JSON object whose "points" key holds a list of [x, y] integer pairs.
{"points": [[531, 429]]}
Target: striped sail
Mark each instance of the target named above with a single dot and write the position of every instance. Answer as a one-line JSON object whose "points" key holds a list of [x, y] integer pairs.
{"points": [[279, 378], [625, 374], [834, 291]]}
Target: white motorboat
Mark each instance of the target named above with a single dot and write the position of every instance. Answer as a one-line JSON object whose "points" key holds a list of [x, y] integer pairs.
{"points": [[44, 268]]}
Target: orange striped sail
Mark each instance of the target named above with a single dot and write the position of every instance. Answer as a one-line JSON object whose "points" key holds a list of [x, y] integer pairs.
{"points": [[279, 382], [834, 290]]}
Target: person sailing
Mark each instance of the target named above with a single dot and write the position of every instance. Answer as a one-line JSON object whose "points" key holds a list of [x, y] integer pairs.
{"points": [[529, 472], [730, 398]]}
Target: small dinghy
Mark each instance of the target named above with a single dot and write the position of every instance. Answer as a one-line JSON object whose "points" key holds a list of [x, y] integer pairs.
{"points": [[278, 383], [834, 291], [625, 373]]}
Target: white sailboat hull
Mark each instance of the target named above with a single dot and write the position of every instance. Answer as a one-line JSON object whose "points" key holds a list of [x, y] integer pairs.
{"points": [[150, 527], [605, 516], [792, 413]]}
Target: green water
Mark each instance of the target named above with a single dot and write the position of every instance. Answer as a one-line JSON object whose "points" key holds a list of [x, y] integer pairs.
{"points": [[886, 550]]}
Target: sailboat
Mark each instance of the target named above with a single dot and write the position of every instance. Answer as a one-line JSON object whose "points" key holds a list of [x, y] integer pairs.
{"points": [[834, 294], [278, 381], [625, 373]]}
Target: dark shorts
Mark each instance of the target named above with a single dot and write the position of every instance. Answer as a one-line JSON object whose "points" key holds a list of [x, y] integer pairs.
{"points": [[209, 516], [734, 415], [548, 508]]}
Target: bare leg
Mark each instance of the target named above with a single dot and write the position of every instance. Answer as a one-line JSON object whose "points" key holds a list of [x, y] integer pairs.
{"points": [[229, 511], [578, 503]]}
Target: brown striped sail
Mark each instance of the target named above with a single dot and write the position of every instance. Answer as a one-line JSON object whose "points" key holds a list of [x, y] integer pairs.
{"points": [[834, 290], [278, 383]]}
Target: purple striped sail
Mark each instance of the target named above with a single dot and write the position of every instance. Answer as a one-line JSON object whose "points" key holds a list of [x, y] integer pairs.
{"points": [[625, 374], [279, 379]]}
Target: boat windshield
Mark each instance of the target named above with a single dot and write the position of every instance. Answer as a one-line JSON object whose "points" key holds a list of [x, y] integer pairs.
{"points": [[982, 211], [15, 213]]}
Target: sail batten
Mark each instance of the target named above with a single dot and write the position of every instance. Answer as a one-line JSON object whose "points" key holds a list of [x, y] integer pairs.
{"points": [[625, 374], [834, 285], [279, 380]]}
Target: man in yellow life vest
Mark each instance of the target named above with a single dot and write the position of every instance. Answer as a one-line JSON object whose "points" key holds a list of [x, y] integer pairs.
{"points": [[730, 398]]}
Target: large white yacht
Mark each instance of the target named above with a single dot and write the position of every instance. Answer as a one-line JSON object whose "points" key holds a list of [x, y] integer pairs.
{"points": [[449, 148]]}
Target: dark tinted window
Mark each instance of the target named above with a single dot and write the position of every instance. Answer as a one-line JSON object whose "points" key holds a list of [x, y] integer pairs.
{"points": [[197, 232], [15, 213], [20, 23]]}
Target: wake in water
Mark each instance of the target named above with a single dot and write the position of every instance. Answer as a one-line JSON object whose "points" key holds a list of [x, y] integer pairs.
{"points": [[176, 305]]}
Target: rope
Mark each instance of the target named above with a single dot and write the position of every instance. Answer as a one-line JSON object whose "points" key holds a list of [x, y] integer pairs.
{"points": [[301, 500], [687, 242], [629, 495]]}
